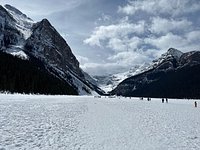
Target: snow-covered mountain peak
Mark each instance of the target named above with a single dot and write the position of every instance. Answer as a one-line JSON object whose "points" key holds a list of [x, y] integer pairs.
{"points": [[23, 23], [16, 11], [45, 25], [171, 54], [5, 18], [46, 43], [45, 22], [11, 8], [174, 52]]}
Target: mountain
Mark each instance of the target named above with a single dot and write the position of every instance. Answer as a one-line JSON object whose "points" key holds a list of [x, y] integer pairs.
{"points": [[39, 42], [109, 82], [173, 75]]}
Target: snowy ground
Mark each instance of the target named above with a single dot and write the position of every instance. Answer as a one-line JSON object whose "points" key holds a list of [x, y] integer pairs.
{"points": [[87, 123]]}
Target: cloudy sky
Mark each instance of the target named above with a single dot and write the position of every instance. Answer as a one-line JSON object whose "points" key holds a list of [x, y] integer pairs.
{"points": [[111, 36]]}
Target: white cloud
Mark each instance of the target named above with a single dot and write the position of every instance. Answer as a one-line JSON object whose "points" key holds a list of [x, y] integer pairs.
{"points": [[163, 25], [104, 17], [169, 7], [133, 6], [187, 42], [193, 36], [129, 58], [166, 41], [193, 40], [103, 69], [114, 34], [124, 44]]}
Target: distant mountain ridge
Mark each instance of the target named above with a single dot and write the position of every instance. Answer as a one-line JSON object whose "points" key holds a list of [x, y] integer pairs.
{"points": [[109, 82], [174, 74], [22, 37]]}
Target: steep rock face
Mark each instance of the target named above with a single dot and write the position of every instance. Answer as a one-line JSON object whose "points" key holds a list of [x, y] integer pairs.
{"points": [[22, 22], [47, 43], [175, 77], [9, 35], [190, 58]]}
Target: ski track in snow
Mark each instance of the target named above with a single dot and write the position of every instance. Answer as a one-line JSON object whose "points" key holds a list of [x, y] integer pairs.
{"points": [[87, 123]]}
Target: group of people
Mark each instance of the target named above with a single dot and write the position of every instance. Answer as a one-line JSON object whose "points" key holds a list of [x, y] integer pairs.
{"points": [[163, 100], [149, 99]]}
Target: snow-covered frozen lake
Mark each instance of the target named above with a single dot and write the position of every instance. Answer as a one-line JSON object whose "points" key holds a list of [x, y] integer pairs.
{"points": [[88, 123]]}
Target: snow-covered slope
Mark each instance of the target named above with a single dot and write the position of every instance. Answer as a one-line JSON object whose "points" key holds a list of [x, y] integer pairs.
{"points": [[23, 23], [87, 123]]}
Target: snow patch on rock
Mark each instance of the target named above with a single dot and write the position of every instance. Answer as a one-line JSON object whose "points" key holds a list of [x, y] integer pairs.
{"points": [[23, 23]]}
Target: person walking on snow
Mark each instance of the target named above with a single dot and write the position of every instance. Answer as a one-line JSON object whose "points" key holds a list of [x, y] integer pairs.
{"points": [[195, 104]]}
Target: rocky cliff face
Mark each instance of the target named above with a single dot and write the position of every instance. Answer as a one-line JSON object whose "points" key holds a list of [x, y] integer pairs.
{"points": [[9, 35], [174, 74], [47, 44]]}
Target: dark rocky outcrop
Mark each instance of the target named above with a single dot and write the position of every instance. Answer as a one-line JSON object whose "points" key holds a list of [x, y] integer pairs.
{"points": [[9, 35]]}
